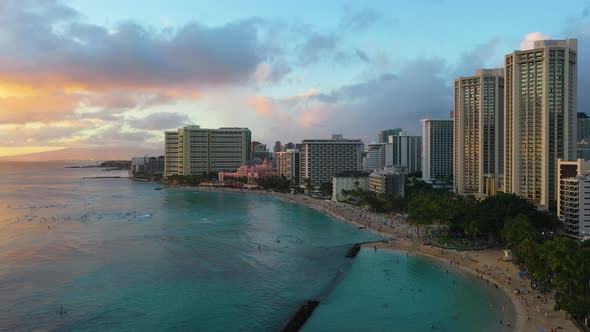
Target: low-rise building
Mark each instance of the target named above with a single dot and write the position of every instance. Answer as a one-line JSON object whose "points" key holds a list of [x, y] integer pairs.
{"points": [[348, 180], [147, 165], [388, 181], [266, 169], [574, 206], [573, 203]]}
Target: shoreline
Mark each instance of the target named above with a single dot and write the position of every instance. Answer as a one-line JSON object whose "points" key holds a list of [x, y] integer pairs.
{"points": [[486, 263]]}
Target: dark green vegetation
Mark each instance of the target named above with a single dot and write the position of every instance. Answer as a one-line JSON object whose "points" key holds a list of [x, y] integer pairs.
{"points": [[191, 179], [560, 264], [276, 183], [454, 216], [118, 164], [148, 176]]}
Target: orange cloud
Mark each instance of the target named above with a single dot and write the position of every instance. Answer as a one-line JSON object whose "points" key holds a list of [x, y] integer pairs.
{"points": [[314, 114], [300, 109], [263, 106], [13, 151], [39, 106], [48, 102]]}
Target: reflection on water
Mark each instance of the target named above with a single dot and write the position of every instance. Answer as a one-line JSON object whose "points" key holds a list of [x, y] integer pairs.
{"points": [[120, 256]]}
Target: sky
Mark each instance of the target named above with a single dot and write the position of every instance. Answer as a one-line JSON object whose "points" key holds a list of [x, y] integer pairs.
{"points": [[116, 74]]}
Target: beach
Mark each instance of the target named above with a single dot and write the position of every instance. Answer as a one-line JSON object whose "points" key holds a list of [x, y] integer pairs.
{"points": [[534, 311]]}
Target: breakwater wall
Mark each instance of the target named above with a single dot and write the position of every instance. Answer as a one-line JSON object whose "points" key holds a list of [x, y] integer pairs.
{"points": [[105, 177], [306, 309], [353, 251], [301, 316]]}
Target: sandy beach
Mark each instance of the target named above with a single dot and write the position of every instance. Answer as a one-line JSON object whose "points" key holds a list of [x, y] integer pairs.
{"points": [[534, 311]]}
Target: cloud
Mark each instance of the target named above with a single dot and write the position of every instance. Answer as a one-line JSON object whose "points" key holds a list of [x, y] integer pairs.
{"points": [[316, 47], [580, 29], [362, 55], [46, 134], [160, 121], [115, 134], [359, 19], [271, 73], [419, 89], [129, 56], [479, 57], [529, 40], [66, 64], [41, 106], [301, 110], [263, 106]]}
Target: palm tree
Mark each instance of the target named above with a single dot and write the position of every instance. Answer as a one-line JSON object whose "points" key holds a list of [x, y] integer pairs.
{"points": [[307, 185]]}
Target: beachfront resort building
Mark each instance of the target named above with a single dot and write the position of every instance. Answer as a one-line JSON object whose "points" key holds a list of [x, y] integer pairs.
{"points": [[478, 120], [540, 118], [390, 180], [437, 150], [404, 151], [147, 165], [289, 165], [193, 150], [573, 204], [321, 159], [347, 181], [264, 170]]}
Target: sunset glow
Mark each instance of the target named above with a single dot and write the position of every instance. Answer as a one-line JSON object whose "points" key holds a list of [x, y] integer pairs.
{"points": [[18, 150], [117, 76]]}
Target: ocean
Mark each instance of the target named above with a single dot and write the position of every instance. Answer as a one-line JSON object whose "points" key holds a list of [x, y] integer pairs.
{"points": [[87, 254]]}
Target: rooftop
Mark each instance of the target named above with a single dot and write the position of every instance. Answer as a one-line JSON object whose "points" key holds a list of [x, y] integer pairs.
{"points": [[352, 174]]}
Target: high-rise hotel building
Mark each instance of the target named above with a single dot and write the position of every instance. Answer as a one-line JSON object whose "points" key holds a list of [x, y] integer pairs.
{"points": [[193, 150], [437, 149], [385, 133], [540, 116], [406, 151], [289, 165], [583, 131], [321, 159], [478, 120]]}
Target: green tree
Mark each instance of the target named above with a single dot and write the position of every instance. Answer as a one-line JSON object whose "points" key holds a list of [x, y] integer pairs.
{"points": [[427, 208], [569, 271], [519, 235], [495, 210], [308, 186], [326, 188]]}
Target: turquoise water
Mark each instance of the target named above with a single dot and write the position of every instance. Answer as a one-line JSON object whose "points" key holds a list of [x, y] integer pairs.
{"points": [[121, 256], [389, 291]]}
